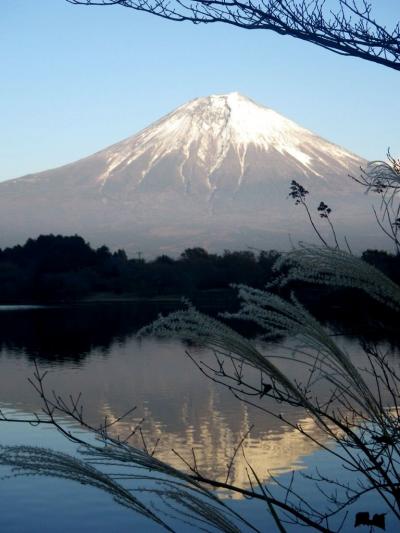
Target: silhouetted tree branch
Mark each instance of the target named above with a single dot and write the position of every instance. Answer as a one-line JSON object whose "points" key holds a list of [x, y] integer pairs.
{"points": [[350, 30]]}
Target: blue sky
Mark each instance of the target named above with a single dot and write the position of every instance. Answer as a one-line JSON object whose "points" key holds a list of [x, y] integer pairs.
{"points": [[74, 80]]}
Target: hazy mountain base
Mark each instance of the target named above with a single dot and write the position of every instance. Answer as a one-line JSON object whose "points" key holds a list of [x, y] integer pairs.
{"points": [[135, 227]]}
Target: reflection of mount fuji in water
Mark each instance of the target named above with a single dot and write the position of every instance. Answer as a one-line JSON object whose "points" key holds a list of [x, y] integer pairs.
{"points": [[215, 172], [178, 403], [270, 448]]}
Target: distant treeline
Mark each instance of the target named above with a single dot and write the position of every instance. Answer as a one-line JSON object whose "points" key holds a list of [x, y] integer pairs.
{"points": [[54, 268], [57, 268]]}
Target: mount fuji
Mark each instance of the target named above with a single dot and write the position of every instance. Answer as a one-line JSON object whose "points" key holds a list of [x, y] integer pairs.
{"points": [[214, 173]]}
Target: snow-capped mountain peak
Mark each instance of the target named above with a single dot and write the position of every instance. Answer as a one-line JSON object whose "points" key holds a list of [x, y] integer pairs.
{"points": [[214, 172], [205, 129]]}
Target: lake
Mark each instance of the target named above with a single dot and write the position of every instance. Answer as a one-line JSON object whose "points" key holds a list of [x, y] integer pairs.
{"points": [[92, 349]]}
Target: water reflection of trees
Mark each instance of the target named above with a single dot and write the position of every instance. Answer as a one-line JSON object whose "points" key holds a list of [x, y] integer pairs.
{"points": [[71, 333]]}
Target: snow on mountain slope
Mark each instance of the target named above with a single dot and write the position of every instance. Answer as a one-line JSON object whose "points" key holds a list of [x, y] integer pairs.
{"points": [[206, 131], [215, 172]]}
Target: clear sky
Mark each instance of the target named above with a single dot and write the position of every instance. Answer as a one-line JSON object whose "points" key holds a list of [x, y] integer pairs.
{"points": [[74, 80]]}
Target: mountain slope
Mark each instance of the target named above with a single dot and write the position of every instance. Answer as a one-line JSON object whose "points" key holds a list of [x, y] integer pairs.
{"points": [[215, 172]]}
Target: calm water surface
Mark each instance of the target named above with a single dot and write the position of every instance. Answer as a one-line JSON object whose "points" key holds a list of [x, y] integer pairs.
{"points": [[92, 349]]}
